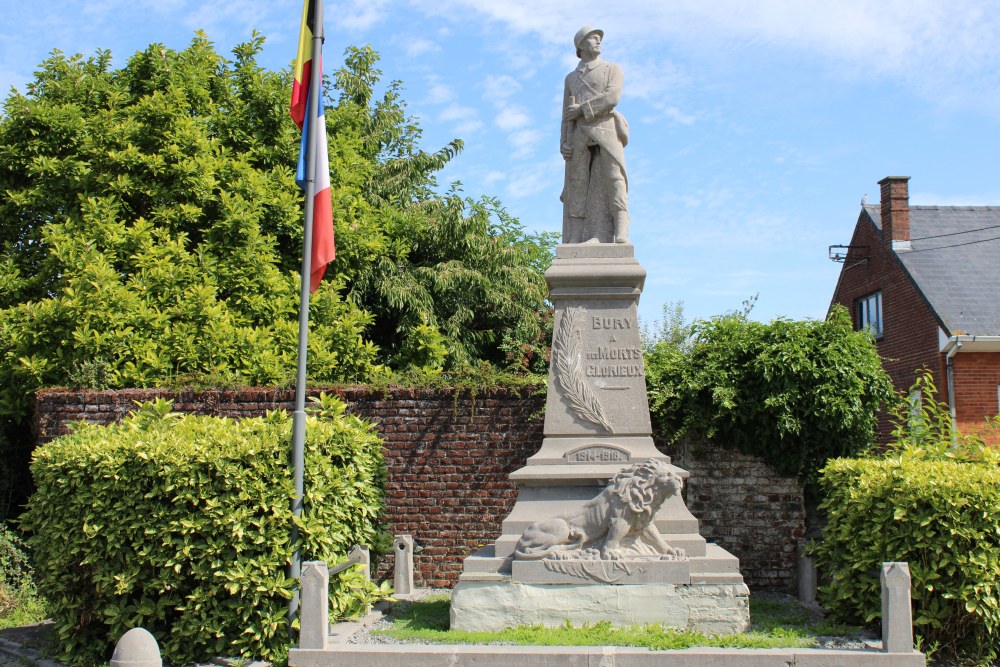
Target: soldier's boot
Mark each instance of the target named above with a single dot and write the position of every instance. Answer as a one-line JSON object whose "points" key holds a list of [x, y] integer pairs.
{"points": [[621, 227]]}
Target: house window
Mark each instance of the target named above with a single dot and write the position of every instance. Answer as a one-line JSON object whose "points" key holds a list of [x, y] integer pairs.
{"points": [[869, 313]]}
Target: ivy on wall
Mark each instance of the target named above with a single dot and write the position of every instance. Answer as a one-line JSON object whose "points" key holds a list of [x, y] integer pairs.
{"points": [[795, 393]]}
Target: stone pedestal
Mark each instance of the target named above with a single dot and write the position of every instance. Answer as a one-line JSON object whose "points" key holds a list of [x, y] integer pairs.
{"points": [[597, 424]]}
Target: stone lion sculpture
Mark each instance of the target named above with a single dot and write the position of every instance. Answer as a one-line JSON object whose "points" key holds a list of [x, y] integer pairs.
{"points": [[617, 524]]}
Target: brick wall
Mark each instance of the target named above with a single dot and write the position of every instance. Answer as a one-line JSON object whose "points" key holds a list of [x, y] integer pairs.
{"points": [[746, 508], [910, 330], [449, 457], [977, 376]]}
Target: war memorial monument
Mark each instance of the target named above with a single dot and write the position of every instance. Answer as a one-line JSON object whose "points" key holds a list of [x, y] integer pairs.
{"points": [[600, 531]]}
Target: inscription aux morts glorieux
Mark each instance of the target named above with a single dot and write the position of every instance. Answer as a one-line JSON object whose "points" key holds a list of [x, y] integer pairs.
{"points": [[606, 353]]}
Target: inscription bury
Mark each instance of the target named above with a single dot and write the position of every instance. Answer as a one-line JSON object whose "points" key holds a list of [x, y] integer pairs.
{"points": [[597, 454], [611, 322]]}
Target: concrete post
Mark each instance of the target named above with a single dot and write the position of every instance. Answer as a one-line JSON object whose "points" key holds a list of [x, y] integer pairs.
{"points": [[314, 611], [402, 580], [136, 648], [897, 617], [806, 577], [361, 556]]}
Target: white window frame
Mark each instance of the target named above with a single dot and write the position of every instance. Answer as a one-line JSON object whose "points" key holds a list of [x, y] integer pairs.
{"points": [[868, 310]]}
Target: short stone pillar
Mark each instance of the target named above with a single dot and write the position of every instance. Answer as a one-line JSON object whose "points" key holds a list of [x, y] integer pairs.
{"points": [[897, 616], [806, 576], [402, 580], [361, 556], [137, 648], [314, 612]]}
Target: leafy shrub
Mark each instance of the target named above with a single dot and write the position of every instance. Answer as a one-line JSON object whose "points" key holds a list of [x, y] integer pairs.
{"points": [[181, 525], [794, 393], [923, 429], [939, 516], [19, 599], [933, 500]]}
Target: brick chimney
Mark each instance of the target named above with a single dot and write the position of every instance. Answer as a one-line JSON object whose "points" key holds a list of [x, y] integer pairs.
{"points": [[896, 212]]}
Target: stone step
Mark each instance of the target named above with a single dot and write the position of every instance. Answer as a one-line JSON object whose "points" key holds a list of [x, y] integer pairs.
{"points": [[568, 473], [717, 561], [420, 655], [692, 543], [716, 564], [525, 514]]}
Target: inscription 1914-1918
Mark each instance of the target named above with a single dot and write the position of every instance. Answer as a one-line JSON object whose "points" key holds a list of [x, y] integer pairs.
{"points": [[597, 454]]}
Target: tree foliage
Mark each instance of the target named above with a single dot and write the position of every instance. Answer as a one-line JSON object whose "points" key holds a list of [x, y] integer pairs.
{"points": [[152, 233], [795, 393]]}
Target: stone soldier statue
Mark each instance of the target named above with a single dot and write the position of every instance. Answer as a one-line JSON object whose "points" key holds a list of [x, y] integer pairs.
{"points": [[592, 141]]}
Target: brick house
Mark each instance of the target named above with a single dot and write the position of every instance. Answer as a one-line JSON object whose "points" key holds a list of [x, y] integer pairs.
{"points": [[926, 279]]}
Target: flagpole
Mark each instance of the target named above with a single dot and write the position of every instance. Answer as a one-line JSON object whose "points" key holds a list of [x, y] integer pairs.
{"points": [[299, 416]]}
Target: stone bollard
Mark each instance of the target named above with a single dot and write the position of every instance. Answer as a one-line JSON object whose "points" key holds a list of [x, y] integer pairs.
{"points": [[402, 580], [806, 577], [897, 618], [314, 613], [362, 556], [136, 648]]}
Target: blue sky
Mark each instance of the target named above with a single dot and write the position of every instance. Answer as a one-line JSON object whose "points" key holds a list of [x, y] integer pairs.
{"points": [[756, 127]]}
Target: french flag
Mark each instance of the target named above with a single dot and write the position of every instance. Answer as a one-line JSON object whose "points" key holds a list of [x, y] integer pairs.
{"points": [[313, 134]]}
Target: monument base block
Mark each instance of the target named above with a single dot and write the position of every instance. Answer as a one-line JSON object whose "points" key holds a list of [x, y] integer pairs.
{"points": [[489, 606]]}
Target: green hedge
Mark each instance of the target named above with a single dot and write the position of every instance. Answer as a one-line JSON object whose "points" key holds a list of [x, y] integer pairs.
{"points": [[180, 524], [943, 518]]}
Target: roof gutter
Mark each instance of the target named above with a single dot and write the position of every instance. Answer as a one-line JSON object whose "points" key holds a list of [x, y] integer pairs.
{"points": [[972, 343]]}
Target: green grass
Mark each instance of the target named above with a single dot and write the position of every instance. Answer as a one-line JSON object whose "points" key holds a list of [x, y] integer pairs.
{"points": [[775, 625], [29, 609]]}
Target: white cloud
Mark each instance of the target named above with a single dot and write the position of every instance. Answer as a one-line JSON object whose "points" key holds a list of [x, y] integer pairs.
{"points": [[672, 114], [359, 14], [654, 80], [419, 46], [531, 179], [945, 51], [524, 142], [466, 119], [439, 93], [469, 127], [498, 89], [457, 112], [513, 118], [792, 155]]}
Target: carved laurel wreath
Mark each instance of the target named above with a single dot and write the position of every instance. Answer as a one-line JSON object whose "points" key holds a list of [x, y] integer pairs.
{"points": [[570, 374]]}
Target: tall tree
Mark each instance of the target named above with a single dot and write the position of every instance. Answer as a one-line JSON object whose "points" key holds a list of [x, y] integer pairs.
{"points": [[152, 233]]}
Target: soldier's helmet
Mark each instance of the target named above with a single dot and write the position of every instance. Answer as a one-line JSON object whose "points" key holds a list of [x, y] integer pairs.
{"points": [[582, 34]]}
